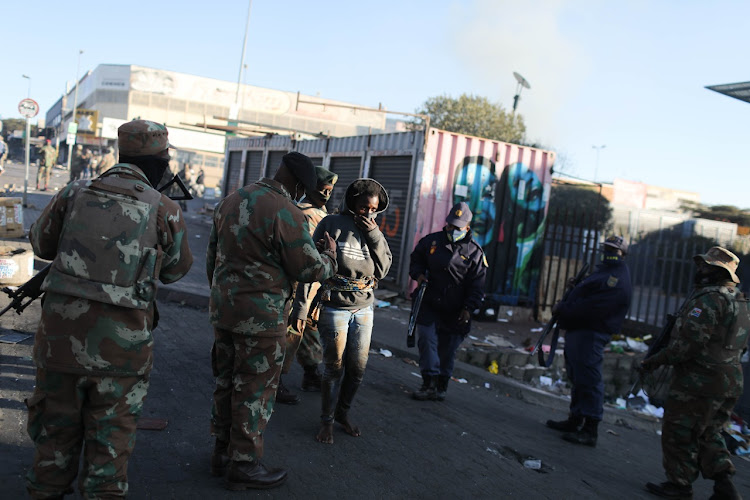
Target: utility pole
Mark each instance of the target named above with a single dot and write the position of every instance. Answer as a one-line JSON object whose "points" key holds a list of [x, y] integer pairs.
{"points": [[75, 108]]}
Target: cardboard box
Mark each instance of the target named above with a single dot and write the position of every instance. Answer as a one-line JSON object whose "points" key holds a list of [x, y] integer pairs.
{"points": [[16, 265], [11, 218]]}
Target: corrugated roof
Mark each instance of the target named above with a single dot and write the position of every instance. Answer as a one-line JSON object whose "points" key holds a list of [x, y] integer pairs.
{"points": [[739, 91]]}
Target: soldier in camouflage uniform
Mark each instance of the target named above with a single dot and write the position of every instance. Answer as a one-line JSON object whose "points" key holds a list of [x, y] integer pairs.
{"points": [[110, 239], [47, 161], [259, 246], [705, 351], [302, 337]]}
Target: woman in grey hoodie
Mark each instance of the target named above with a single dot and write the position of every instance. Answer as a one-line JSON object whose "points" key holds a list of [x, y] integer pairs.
{"points": [[346, 314]]}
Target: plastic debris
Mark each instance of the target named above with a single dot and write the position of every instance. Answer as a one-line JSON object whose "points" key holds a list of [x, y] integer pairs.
{"points": [[532, 464], [610, 431], [472, 337], [636, 345], [460, 380], [621, 403], [502, 320], [381, 303], [537, 329], [386, 353], [509, 312], [545, 381], [493, 368], [486, 385]]}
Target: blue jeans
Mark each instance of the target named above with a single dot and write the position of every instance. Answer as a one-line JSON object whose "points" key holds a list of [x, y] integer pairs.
{"points": [[584, 354], [345, 336], [437, 353]]}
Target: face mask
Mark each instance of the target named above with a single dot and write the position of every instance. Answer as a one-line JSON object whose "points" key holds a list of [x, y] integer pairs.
{"points": [[457, 235], [296, 190]]}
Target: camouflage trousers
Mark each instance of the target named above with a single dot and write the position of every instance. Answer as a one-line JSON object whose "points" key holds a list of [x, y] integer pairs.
{"points": [[691, 439], [43, 174], [306, 347], [69, 412], [247, 371]]}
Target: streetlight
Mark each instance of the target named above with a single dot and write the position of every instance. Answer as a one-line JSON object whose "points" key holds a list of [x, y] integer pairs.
{"points": [[234, 110], [598, 149], [28, 93], [519, 87], [75, 108]]}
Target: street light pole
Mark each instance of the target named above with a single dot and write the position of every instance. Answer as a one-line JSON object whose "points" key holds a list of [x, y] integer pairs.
{"points": [[598, 149], [75, 107], [235, 111], [28, 93]]}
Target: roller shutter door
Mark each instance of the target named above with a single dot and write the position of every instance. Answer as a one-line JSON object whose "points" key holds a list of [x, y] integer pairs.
{"points": [[274, 160], [233, 172], [348, 171], [253, 162], [393, 172]]}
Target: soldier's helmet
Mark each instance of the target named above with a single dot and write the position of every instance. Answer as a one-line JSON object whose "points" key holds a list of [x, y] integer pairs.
{"points": [[720, 257], [143, 138], [617, 242]]}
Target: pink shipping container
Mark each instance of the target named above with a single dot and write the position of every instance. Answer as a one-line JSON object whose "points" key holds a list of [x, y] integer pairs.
{"points": [[507, 187]]}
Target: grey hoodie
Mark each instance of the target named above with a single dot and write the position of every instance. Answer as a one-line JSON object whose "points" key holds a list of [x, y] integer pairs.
{"points": [[360, 255]]}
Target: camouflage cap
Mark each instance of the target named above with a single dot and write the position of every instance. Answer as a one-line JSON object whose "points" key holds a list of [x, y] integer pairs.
{"points": [[460, 215], [143, 138], [325, 176], [720, 257], [617, 242]]}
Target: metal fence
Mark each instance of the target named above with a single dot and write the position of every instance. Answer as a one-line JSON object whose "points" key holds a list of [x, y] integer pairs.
{"points": [[661, 267]]}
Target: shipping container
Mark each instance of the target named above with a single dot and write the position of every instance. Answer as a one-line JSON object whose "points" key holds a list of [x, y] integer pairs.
{"points": [[506, 185]]}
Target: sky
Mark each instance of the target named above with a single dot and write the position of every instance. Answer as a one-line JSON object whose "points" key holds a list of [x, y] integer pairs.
{"points": [[628, 76]]}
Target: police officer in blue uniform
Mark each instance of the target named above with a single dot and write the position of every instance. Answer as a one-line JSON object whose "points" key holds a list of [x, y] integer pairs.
{"points": [[593, 311], [455, 267]]}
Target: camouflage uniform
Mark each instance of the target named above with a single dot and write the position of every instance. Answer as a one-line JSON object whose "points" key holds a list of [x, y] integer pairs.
{"points": [[48, 158], [259, 246], [93, 347], [306, 345], [706, 383]]}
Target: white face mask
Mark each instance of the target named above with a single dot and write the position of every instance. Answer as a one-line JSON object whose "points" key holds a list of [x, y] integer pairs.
{"points": [[457, 235]]}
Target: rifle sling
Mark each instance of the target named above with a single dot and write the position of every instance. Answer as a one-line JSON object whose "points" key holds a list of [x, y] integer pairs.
{"points": [[552, 348]]}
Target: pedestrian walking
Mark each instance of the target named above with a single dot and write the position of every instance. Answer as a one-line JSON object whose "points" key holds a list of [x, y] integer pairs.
{"points": [[593, 311], [456, 266], [107, 161], [46, 162], [259, 246], [93, 348], [303, 339], [707, 343], [78, 163], [3, 154], [346, 314]]}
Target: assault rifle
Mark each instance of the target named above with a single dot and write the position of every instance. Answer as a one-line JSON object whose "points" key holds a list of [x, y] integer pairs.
{"points": [[410, 333], [552, 324], [32, 289]]}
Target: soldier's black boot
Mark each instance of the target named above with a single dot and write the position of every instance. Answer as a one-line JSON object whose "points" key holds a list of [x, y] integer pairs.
{"points": [[311, 379], [255, 475], [668, 489], [442, 387], [572, 424], [220, 458], [724, 488], [285, 396], [427, 391], [587, 435]]}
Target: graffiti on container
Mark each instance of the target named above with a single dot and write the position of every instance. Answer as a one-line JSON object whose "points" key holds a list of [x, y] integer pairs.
{"points": [[388, 228], [508, 210]]}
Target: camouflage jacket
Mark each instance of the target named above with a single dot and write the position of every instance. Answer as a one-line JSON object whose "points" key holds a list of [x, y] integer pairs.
{"points": [[78, 335], [48, 155], [707, 342], [259, 245]]}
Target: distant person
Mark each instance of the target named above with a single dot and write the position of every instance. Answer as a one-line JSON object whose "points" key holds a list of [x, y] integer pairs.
{"points": [[454, 267], [259, 246], [3, 154], [109, 240], [108, 160], [346, 313], [593, 311], [705, 349], [78, 163], [48, 156], [303, 339]]}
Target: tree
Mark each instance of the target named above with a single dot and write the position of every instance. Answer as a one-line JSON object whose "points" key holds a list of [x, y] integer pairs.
{"points": [[474, 115], [583, 206], [11, 124], [725, 213]]}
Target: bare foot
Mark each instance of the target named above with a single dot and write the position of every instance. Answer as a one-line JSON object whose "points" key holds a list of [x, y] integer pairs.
{"points": [[350, 429], [325, 434]]}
